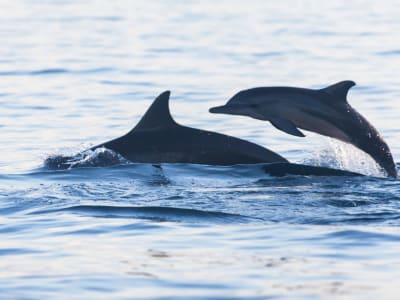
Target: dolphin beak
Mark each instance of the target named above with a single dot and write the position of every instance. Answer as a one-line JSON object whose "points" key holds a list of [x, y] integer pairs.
{"points": [[231, 109], [218, 109]]}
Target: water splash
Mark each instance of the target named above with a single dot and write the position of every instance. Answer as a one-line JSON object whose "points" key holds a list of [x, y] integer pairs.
{"points": [[100, 157], [339, 155]]}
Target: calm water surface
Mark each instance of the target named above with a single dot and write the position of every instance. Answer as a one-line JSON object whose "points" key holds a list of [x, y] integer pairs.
{"points": [[75, 74]]}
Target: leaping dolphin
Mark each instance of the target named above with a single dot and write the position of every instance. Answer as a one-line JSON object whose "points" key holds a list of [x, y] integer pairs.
{"points": [[157, 138], [324, 111]]}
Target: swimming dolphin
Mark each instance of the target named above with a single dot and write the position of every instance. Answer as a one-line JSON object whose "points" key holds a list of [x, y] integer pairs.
{"points": [[157, 138], [324, 111]]}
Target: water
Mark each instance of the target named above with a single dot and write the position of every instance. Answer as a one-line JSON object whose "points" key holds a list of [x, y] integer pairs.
{"points": [[75, 74]]}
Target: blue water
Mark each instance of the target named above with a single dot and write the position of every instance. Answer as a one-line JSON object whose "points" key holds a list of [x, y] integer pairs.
{"points": [[77, 73]]}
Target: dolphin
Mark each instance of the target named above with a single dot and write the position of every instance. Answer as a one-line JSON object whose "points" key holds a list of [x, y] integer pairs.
{"points": [[157, 138], [324, 111]]}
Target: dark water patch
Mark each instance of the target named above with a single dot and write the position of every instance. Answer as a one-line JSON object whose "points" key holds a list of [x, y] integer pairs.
{"points": [[88, 101], [136, 228], [325, 33], [342, 241], [175, 197], [348, 203], [127, 83], [284, 169], [235, 171], [235, 189], [366, 33], [344, 218], [37, 107], [17, 251], [77, 19], [31, 199], [10, 210], [389, 53], [49, 71], [196, 96], [372, 90], [93, 285], [14, 73], [360, 235], [109, 18], [268, 54], [34, 73], [371, 218], [157, 213], [166, 50], [115, 173], [95, 70], [141, 71], [293, 181], [215, 297], [55, 71], [14, 228], [85, 231], [142, 227], [159, 180]]}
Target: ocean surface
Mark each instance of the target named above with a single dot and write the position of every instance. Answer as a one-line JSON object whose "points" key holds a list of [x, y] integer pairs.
{"points": [[74, 74]]}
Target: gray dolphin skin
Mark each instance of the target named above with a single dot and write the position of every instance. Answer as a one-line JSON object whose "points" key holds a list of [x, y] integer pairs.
{"points": [[157, 138], [324, 111]]}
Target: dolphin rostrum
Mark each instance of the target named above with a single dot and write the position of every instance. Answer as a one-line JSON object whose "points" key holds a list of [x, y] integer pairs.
{"points": [[324, 111], [157, 138]]}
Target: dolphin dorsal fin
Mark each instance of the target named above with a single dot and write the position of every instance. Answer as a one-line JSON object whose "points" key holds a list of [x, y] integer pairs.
{"points": [[157, 115], [339, 90]]}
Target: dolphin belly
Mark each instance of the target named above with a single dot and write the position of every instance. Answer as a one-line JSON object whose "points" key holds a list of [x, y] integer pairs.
{"points": [[310, 119], [321, 126]]}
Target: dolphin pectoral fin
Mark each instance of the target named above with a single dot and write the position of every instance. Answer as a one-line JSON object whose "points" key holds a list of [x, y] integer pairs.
{"points": [[286, 126]]}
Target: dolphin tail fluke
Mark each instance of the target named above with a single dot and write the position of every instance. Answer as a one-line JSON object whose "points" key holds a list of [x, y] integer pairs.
{"points": [[339, 90]]}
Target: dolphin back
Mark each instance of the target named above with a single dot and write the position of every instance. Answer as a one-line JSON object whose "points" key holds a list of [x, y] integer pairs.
{"points": [[157, 138]]}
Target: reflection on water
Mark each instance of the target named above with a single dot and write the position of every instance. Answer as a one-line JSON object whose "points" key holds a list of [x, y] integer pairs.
{"points": [[75, 74]]}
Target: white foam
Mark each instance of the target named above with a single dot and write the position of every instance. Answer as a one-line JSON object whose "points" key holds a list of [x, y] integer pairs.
{"points": [[339, 155]]}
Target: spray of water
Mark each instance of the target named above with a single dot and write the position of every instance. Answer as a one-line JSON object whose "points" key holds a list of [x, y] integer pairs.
{"points": [[100, 157], [339, 155]]}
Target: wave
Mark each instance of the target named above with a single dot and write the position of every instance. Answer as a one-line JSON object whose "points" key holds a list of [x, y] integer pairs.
{"points": [[54, 71], [157, 213], [103, 157]]}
